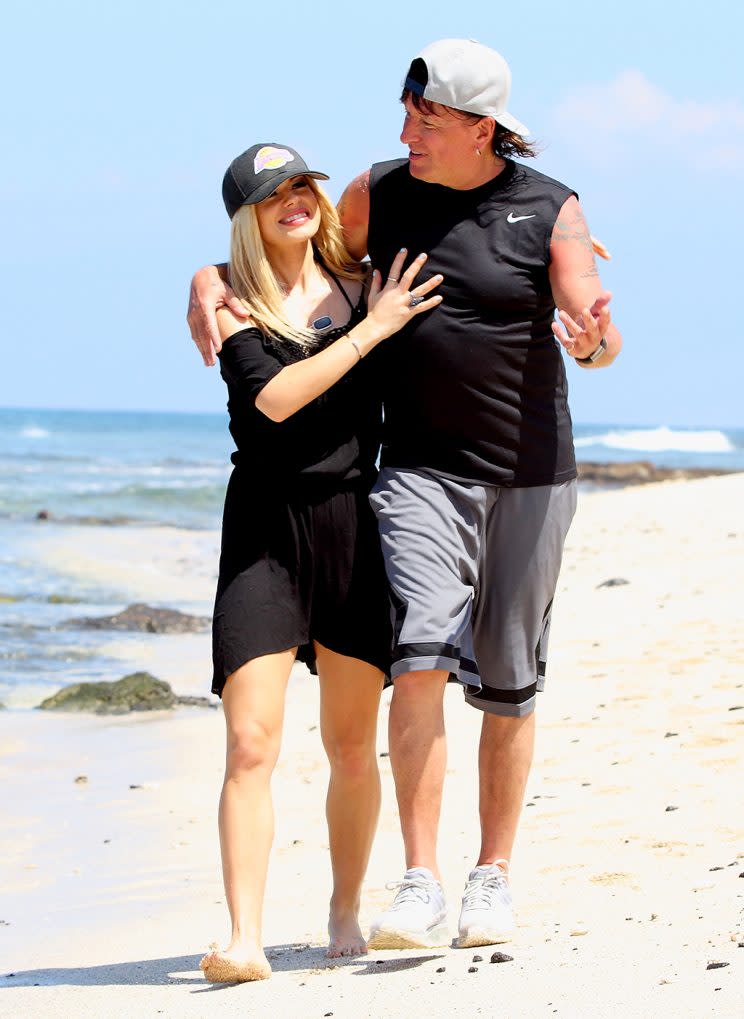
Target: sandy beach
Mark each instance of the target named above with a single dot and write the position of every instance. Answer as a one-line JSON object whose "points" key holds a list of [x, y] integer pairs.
{"points": [[629, 868]]}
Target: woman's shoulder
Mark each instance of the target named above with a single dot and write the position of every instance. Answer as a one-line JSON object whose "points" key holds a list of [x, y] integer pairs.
{"points": [[229, 323]]}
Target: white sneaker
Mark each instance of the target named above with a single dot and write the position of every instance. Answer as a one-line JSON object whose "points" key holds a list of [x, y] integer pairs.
{"points": [[487, 916], [417, 917]]}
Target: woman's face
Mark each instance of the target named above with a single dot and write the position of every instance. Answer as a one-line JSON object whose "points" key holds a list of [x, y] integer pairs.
{"points": [[290, 215]]}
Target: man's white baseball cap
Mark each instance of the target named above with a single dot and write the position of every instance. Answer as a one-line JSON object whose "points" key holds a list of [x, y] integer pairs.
{"points": [[465, 75]]}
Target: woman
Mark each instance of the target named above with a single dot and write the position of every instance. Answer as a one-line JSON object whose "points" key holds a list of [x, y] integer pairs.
{"points": [[301, 574]]}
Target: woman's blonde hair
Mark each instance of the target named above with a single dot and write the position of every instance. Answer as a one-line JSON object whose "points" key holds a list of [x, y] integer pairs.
{"points": [[254, 280]]}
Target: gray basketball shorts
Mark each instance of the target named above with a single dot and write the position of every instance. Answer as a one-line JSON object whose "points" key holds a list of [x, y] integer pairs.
{"points": [[472, 571]]}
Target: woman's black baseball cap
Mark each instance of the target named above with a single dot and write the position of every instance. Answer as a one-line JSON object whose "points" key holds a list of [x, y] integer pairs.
{"points": [[259, 171]]}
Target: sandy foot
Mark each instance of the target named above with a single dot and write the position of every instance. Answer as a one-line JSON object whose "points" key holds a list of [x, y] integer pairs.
{"points": [[238, 964]]}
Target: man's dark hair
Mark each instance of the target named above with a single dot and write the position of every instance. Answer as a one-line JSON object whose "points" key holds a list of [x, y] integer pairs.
{"points": [[505, 142]]}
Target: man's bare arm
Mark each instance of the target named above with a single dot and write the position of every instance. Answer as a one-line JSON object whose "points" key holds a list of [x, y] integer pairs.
{"points": [[353, 211], [210, 291], [577, 289]]}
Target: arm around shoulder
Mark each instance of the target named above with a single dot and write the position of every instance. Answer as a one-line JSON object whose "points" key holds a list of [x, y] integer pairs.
{"points": [[228, 322]]}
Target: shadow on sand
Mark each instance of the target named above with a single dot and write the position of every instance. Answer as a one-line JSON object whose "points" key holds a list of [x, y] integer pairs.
{"points": [[184, 969]]}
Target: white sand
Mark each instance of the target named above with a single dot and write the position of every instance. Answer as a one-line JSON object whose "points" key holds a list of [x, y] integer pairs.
{"points": [[109, 895]]}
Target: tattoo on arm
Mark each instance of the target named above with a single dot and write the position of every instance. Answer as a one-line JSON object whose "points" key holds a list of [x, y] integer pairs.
{"points": [[574, 229]]}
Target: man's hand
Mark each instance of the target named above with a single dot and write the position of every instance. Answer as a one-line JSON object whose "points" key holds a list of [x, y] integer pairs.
{"points": [[577, 290], [582, 336], [208, 293]]}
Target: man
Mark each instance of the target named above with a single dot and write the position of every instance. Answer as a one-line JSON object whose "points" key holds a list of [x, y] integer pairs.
{"points": [[477, 486]]}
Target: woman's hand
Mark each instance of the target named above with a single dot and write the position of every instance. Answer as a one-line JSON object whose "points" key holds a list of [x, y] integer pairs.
{"points": [[582, 335], [393, 304]]}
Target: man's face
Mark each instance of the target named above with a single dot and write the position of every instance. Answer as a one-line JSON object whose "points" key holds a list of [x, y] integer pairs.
{"points": [[442, 145]]}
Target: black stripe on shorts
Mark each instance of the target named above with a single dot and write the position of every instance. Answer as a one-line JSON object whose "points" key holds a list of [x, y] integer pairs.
{"points": [[430, 649], [487, 693]]}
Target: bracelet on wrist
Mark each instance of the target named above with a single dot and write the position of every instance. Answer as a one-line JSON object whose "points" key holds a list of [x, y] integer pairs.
{"points": [[595, 354]]}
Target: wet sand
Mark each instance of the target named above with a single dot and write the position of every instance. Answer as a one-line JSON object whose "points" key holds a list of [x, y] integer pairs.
{"points": [[629, 868]]}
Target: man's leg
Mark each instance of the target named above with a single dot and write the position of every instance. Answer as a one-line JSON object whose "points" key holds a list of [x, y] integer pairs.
{"points": [[418, 756], [525, 532], [504, 760], [430, 528], [430, 531]]}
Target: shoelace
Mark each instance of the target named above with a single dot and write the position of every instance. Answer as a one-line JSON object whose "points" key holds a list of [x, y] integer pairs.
{"points": [[409, 890], [480, 891]]}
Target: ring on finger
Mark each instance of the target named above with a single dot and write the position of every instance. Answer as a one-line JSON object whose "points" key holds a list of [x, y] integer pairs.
{"points": [[393, 279], [415, 301]]}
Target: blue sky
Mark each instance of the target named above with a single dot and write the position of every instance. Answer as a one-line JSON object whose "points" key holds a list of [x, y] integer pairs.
{"points": [[119, 121]]}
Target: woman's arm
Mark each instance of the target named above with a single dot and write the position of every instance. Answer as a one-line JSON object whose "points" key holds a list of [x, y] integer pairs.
{"points": [[298, 384]]}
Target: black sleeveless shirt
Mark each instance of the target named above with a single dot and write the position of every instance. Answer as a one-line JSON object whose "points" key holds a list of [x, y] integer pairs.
{"points": [[476, 388]]}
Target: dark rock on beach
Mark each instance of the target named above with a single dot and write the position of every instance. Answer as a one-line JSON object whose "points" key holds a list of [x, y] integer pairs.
{"points": [[195, 702], [640, 472], [86, 520], [501, 957], [144, 618], [137, 692], [613, 582]]}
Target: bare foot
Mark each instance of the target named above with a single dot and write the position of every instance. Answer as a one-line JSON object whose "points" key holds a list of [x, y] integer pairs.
{"points": [[345, 936], [239, 963]]}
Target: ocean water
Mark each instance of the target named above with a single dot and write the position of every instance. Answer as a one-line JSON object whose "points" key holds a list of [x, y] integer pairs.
{"points": [[113, 487]]}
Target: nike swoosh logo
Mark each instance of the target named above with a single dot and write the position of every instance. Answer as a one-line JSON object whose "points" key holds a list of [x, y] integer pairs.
{"points": [[511, 218]]}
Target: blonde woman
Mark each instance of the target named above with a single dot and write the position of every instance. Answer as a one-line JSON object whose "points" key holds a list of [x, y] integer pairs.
{"points": [[301, 573]]}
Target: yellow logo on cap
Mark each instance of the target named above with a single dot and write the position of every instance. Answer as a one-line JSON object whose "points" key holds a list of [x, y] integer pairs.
{"points": [[269, 158]]}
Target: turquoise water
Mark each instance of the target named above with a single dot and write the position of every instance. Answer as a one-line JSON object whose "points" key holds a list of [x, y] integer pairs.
{"points": [[158, 468], [172, 468]]}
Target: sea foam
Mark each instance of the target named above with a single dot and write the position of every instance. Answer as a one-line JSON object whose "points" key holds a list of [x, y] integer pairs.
{"points": [[654, 440]]}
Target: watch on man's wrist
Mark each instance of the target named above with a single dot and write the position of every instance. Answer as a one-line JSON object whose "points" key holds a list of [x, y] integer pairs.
{"points": [[595, 354]]}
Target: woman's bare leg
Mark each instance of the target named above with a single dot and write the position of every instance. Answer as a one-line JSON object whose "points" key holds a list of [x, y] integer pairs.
{"points": [[349, 701], [253, 701]]}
